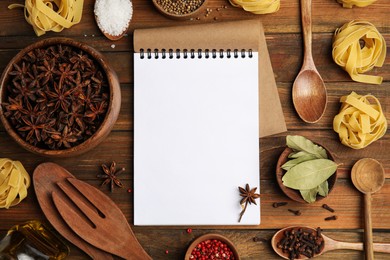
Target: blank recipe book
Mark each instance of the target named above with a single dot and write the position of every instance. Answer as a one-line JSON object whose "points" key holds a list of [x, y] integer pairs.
{"points": [[196, 124]]}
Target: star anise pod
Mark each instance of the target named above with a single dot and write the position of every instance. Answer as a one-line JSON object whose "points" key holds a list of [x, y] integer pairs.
{"points": [[248, 197], [110, 176]]}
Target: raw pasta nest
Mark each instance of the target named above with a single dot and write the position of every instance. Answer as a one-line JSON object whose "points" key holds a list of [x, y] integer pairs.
{"points": [[348, 53], [358, 3], [359, 122], [14, 182], [257, 6], [51, 15]]}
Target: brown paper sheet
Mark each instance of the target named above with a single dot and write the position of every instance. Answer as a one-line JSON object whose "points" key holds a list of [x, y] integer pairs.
{"points": [[225, 35]]}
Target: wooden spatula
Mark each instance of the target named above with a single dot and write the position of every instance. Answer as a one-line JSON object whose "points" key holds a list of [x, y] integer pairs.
{"points": [[45, 177], [97, 219]]}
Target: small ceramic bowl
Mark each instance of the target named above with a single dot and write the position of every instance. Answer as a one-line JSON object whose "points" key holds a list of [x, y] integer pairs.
{"points": [[194, 14], [211, 237], [113, 100], [295, 194]]}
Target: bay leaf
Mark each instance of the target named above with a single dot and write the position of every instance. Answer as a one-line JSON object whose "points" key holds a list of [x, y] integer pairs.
{"points": [[300, 143], [309, 174], [303, 158], [297, 154], [323, 189], [309, 196]]}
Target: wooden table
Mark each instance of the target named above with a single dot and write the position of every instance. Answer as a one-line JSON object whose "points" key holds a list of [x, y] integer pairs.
{"points": [[283, 34]]}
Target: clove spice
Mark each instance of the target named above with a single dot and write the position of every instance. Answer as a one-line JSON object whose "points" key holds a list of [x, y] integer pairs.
{"points": [[331, 218], [296, 212], [279, 204], [325, 206], [301, 241]]}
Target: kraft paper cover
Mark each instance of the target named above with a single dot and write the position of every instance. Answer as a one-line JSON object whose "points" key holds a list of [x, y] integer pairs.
{"points": [[225, 35]]}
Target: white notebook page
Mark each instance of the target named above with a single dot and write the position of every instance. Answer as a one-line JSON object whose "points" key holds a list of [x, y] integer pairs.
{"points": [[195, 140]]}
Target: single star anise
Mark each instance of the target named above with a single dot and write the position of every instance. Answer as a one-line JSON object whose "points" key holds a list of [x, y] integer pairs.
{"points": [[110, 176], [248, 197]]}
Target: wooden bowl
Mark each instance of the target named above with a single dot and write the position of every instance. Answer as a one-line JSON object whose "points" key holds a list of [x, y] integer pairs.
{"points": [[208, 237], [114, 100], [194, 14], [295, 194]]}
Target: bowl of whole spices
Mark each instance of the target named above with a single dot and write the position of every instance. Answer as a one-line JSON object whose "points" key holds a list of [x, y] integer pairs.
{"points": [[212, 246], [180, 9], [59, 98], [306, 172]]}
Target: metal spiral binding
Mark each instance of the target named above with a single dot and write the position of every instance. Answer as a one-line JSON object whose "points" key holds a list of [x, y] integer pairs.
{"points": [[192, 54]]}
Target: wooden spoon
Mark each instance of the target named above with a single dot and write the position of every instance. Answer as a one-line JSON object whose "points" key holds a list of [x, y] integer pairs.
{"points": [[45, 177], [368, 176], [109, 36], [112, 37], [308, 92], [329, 244]]}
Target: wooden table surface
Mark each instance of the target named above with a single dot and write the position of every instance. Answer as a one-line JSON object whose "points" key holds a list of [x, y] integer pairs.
{"points": [[284, 39]]}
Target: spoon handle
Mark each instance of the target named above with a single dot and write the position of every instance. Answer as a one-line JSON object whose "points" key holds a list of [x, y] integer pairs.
{"points": [[336, 245], [307, 31], [368, 227]]}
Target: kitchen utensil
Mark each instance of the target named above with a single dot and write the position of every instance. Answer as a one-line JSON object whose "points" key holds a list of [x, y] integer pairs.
{"points": [[329, 244], [368, 176], [96, 219], [295, 194], [308, 92], [44, 178]]}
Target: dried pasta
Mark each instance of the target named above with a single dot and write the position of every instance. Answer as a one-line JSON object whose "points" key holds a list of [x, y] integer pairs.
{"points": [[358, 3], [257, 6], [359, 122], [51, 15], [14, 182], [348, 53]]}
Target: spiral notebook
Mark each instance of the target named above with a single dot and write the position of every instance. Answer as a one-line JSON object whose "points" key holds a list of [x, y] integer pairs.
{"points": [[196, 125]]}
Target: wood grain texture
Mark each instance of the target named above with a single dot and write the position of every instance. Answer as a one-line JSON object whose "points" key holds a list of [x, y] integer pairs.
{"points": [[284, 39]]}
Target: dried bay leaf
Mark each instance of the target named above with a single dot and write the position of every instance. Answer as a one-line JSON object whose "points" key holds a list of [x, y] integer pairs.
{"points": [[302, 158], [323, 189], [297, 154], [300, 143], [309, 174], [309, 196]]}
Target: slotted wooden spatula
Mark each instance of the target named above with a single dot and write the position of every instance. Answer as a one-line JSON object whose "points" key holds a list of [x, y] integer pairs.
{"points": [[97, 219], [45, 177]]}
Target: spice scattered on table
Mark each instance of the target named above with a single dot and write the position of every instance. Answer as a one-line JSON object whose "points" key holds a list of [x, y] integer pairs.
{"points": [[249, 197], [113, 16], [301, 241], [14, 182], [325, 206], [331, 218], [212, 249], [279, 204], [295, 212], [56, 97], [180, 7], [361, 120], [308, 168], [110, 176]]}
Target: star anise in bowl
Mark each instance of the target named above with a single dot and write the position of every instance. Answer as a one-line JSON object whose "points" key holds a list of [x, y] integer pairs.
{"points": [[59, 97]]}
